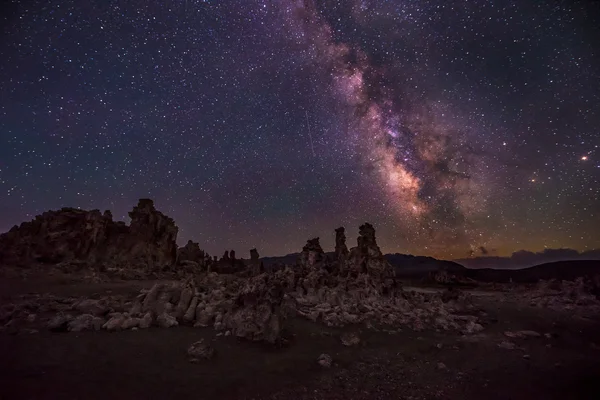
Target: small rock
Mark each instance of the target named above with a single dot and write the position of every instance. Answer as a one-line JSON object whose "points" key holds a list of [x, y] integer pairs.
{"points": [[131, 323], [136, 308], [324, 360], [59, 322], [526, 356], [350, 339], [472, 327], [199, 350], [90, 306], [146, 321], [190, 313], [529, 334], [521, 334], [441, 365], [97, 323], [135, 328], [184, 302], [115, 323], [227, 333], [81, 323], [204, 316], [31, 318], [506, 345], [166, 321]]}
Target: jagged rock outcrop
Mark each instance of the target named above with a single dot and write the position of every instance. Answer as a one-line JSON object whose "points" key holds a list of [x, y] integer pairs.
{"points": [[152, 236], [341, 250], [256, 266], [55, 236], [312, 255], [225, 257], [367, 258], [229, 264], [90, 238], [191, 253]]}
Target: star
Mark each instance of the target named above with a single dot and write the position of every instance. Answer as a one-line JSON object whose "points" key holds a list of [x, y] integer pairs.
{"points": [[262, 124]]}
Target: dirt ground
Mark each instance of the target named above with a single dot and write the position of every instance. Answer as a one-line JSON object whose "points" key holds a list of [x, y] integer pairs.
{"points": [[565, 364]]}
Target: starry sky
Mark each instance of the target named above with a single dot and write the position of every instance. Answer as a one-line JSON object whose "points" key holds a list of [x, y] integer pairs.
{"points": [[454, 127]]}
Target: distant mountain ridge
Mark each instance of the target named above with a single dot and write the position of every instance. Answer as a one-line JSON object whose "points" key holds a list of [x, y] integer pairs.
{"points": [[406, 265], [525, 259], [422, 267]]}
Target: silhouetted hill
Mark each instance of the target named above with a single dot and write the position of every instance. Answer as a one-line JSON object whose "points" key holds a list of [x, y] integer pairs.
{"points": [[406, 265], [525, 259], [420, 267], [562, 270]]}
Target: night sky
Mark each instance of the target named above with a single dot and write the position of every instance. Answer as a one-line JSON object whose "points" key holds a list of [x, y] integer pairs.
{"points": [[449, 125]]}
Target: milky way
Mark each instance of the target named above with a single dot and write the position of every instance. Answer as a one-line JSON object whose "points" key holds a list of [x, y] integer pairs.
{"points": [[454, 127]]}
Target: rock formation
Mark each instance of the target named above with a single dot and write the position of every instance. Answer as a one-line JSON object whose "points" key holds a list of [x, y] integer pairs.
{"points": [[256, 267], [312, 255], [89, 237], [367, 258], [225, 257], [341, 250], [229, 264], [152, 236], [350, 287]]}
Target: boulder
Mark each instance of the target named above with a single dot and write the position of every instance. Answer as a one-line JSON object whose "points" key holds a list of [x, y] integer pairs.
{"points": [[90, 306], [190, 314], [84, 322], [204, 315], [184, 302], [350, 339], [324, 360], [166, 321], [59, 322], [130, 322], [115, 323], [146, 321], [200, 350]]}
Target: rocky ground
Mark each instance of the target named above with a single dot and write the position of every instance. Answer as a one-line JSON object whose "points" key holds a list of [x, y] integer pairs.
{"points": [[523, 351]]}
